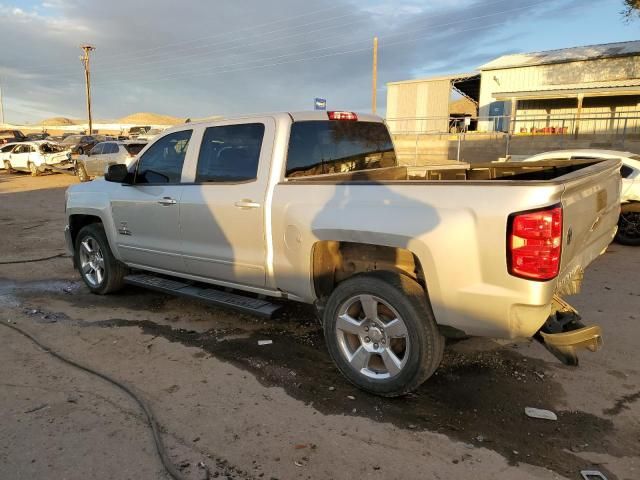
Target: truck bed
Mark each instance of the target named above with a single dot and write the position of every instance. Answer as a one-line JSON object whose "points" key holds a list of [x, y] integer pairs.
{"points": [[508, 172]]}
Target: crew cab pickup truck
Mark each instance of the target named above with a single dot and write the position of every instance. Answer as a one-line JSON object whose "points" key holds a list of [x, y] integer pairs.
{"points": [[313, 207]]}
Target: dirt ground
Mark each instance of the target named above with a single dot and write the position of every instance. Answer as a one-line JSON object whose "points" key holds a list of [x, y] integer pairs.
{"points": [[282, 411]]}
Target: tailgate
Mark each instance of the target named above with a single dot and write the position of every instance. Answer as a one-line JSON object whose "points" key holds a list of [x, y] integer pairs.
{"points": [[591, 206]]}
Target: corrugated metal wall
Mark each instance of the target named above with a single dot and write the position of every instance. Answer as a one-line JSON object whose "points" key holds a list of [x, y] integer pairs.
{"points": [[408, 104]]}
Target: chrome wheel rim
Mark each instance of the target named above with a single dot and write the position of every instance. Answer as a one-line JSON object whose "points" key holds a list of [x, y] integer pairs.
{"points": [[372, 337], [92, 262]]}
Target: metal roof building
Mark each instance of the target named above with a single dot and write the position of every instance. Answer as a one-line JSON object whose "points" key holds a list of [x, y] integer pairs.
{"points": [[587, 89]]}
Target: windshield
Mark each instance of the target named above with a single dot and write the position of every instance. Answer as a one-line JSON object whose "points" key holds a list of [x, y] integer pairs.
{"points": [[71, 139]]}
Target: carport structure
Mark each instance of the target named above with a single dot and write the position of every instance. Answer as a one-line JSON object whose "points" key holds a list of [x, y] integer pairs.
{"points": [[422, 105]]}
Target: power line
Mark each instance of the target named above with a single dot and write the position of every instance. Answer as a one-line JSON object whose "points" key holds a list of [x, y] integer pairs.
{"points": [[368, 49], [214, 67], [166, 46], [127, 67]]}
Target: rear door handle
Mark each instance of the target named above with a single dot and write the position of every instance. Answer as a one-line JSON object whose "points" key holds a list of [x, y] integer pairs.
{"points": [[167, 201], [245, 204]]}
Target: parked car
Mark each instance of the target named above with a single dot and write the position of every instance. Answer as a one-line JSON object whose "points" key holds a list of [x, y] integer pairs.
{"points": [[11, 136], [58, 138], [629, 222], [104, 154], [134, 132], [80, 144], [34, 137], [313, 207], [5, 150], [149, 135], [37, 157]]}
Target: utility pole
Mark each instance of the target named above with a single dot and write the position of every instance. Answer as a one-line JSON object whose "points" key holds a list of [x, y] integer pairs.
{"points": [[1, 106], [87, 76], [374, 78]]}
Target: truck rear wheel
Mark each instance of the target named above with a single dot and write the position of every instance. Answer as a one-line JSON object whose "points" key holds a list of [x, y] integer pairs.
{"points": [[100, 270], [381, 333]]}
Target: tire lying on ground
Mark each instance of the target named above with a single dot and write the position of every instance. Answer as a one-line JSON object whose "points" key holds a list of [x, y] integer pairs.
{"points": [[100, 270], [381, 333]]}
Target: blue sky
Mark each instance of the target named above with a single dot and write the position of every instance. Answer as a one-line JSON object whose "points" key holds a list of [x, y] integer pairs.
{"points": [[197, 58]]}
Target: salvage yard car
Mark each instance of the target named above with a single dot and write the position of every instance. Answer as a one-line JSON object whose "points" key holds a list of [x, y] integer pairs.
{"points": [[37, 157], [629, 222], [80, 144], [11, 136], [313, 207], [104, 154]]}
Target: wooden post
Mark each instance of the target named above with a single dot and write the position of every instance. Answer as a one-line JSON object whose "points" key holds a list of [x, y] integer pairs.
{"points": [[576, 128], [512, 117], [374, 78], [87, 76]]}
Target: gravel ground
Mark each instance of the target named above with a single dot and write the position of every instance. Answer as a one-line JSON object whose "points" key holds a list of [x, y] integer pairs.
{"points": [[282, 410]]}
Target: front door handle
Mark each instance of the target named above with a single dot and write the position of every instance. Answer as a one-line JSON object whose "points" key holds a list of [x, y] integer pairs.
{"points": [[245, 204], [167, 201]]}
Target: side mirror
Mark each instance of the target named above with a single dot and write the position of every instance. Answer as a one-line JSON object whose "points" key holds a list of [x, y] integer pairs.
{"points": [[118, 173]]}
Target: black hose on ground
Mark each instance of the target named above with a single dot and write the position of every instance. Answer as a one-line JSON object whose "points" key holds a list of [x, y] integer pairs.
{"points": [[164, 458], [41, 259]]}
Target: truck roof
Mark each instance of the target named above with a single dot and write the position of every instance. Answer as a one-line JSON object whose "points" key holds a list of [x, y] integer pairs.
{"points": [[295, 116]]}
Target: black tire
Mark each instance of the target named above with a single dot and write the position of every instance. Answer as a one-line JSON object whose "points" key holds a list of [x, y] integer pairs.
{"points": [[114, 270], [80, 151], [81, 172], [33, 169], [425, 345], [7, 166], [629, 229]]}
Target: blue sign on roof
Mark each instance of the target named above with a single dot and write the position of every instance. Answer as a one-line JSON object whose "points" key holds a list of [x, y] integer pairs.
{"points": [[320, 104]]}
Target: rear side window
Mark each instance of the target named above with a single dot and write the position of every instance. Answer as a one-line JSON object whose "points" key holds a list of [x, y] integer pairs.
{"points": [[626, 171], [230, 153], [324, 146], [98, 149], [134, 148], [162, 162], [110, 148]]}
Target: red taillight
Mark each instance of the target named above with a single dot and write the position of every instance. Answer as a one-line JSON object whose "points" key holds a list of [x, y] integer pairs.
{"points": [[534, 243], [342, 116]]}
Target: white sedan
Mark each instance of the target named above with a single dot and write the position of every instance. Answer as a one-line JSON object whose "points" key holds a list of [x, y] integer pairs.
{"points": [[629, 224], [37, 157], [5, 150]]}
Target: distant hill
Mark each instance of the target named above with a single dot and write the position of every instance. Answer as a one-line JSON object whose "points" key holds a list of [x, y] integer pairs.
{"points": [[59, 121], [146, 118]]}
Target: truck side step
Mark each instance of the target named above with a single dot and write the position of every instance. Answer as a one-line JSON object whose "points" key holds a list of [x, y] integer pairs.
{"points": [[245, 304]]}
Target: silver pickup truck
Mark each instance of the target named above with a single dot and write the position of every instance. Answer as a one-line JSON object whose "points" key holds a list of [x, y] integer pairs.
{"points": [[313, 207]]}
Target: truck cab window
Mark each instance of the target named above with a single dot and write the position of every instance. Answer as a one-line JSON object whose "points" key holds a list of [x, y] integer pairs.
{"points": [[162, 162], [230, 153], [318, 147]]}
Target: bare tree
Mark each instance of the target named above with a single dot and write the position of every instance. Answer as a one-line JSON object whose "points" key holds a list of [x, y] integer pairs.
{"points": [[631, 9]]}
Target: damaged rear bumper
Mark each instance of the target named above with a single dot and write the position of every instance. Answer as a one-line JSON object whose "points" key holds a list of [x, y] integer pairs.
{"points": [[563, 334]]}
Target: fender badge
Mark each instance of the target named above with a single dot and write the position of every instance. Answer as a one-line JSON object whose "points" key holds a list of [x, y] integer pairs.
{"points": [[569, 236], [124, 230]]}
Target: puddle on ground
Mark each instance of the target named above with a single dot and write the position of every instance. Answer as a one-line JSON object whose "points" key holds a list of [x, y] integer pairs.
{"points": [[477, 398]]}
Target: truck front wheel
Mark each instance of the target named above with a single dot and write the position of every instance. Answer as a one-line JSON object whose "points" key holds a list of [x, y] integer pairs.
{"points": [[381, 333], [99, 269]]}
